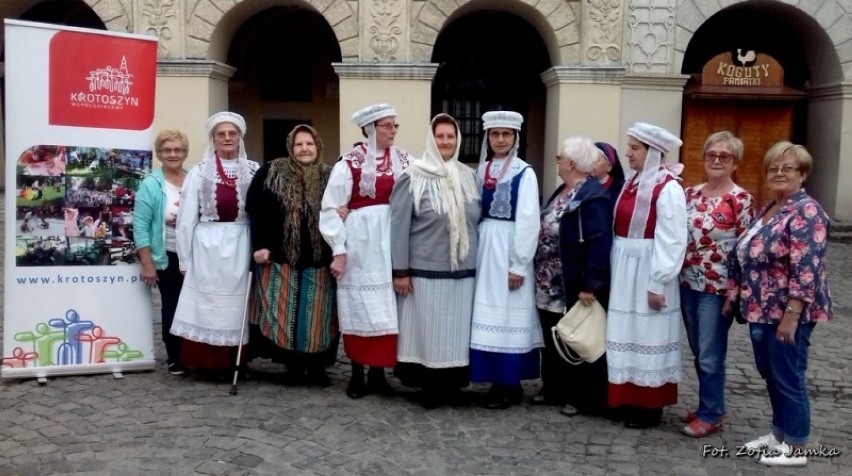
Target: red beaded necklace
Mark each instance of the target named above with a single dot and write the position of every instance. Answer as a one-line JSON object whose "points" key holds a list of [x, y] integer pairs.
{"points": [[491, 182], [228, 181]]}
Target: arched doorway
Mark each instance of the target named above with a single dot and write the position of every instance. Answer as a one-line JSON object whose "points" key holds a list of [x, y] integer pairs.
{"points": [[759, 115], [65, 12], [59, 12], [491, 60], [284, 77]]}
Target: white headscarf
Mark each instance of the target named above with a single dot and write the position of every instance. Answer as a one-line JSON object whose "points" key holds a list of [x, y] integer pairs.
{"points": [[659, 141], [450, 184], [208, 166]]}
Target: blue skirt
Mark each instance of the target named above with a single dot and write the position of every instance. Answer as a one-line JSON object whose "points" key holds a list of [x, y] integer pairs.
{"points": [[503, 369]]}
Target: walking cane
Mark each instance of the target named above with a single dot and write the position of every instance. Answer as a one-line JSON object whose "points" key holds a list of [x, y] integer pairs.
{"points": [[242, 334]]}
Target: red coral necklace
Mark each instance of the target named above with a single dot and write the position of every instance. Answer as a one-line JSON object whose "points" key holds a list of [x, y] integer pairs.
{"points": [[228, 181]]}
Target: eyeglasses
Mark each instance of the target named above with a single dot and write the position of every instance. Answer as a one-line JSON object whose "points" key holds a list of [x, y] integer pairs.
{"points": [[711, 157], [176, 150], [388, 126], [786, 170], [559, 157]]}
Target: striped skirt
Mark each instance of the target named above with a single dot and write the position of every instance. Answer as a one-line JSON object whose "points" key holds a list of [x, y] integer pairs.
{"points": [[296, 309]]}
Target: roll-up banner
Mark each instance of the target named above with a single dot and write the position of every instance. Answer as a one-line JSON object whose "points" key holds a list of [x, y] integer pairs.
{"points": [[79, 114]]}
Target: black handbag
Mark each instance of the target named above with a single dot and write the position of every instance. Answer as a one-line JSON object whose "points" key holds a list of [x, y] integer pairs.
{"points": [[737, 313]]}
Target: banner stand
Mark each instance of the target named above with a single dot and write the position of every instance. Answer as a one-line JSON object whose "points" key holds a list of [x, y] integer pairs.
{"points": [[79, 133]]}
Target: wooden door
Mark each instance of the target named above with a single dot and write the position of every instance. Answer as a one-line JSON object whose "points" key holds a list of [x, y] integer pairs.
{"points": [[759, 124]]}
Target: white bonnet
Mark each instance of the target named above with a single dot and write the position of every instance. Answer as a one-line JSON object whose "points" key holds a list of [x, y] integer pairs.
{"points": [[371, 114], [507, 119], [654, 136]]}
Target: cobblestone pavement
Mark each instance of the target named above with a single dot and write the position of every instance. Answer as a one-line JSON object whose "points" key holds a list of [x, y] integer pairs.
{"points": [[153, 423]]}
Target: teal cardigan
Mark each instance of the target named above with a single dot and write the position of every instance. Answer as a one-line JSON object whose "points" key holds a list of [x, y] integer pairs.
{"points": [[148, 209]]}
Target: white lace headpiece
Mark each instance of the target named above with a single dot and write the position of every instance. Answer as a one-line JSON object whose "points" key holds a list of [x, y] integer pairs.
{"points": [[366, 118], [659, 141]]}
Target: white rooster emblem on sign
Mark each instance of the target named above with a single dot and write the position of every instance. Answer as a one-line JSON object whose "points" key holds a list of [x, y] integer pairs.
{"points": [[746, 59]]}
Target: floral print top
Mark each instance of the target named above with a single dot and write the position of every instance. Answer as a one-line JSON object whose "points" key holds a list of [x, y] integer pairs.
{"points": [[549, 288], [781, 259], [714, 225]]}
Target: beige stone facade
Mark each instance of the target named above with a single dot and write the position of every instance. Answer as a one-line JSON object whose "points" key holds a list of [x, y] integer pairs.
{"points": [[611, 62]]}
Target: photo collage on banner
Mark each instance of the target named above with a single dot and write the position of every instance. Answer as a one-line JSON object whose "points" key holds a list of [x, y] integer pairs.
{"points": [[74, 205]]}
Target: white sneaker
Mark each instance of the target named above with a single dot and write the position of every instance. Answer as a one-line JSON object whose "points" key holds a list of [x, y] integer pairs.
{"points": [[768, 441], [782, 455]]}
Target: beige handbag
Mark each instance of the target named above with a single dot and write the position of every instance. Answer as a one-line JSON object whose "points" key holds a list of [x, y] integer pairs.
{"points": [[580, 336]]}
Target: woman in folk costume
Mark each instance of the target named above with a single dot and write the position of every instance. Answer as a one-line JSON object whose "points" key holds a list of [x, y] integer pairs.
{"points": [[505, 334], [434, 213], [362, 181], [295, 307], [213, 248], [643, 319]]}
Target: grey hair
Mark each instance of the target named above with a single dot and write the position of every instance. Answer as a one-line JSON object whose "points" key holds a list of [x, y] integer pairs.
{"points": [[582, 151]]}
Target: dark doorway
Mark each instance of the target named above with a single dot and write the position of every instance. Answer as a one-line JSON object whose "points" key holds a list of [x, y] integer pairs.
{"points": [[275, 136], [284, 77], [490, 60]]}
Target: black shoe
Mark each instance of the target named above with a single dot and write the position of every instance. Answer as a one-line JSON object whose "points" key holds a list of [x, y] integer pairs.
{"points": [[176, 369], [378, 383], [430, 398], [293, 379], [318, 378], [356, 389], [641, 418], [501, 397]]}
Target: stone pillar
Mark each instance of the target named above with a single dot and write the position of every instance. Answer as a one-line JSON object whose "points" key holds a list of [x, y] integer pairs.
{"points": [[188, 92], [829, 136], [580, 101], [407, 87], [653, 98], [2, 131]]}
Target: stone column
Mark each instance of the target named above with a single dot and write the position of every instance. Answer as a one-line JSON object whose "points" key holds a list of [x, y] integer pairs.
{"points": [[829, 136], [188, 92], [580, 101], [407, 87], [653, 98], [2, 132]]}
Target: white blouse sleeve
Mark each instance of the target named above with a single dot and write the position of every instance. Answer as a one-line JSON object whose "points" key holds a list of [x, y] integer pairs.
{"points": [[527, 224], [670, 236], [337, 194], [187, 218]]}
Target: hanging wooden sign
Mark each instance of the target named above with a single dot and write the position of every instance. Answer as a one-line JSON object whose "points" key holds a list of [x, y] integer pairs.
{"points": [[743, 68]]}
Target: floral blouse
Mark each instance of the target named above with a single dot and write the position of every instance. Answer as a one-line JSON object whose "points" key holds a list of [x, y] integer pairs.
{"points": [[549, 288], [714, 225], [781, 259]]}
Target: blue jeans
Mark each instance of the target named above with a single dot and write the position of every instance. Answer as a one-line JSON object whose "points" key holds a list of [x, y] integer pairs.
{"points": [[707, 332], [783, 367]]}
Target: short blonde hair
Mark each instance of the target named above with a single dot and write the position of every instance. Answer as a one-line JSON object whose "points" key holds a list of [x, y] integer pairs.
{"points": [[170, 134], [733, 141], [784, 149]]}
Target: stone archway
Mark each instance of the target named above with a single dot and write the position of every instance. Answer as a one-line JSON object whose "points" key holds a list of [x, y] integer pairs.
{"points": [[834, 27], [115, 15], [211, 24], [818, 29], [556, 22]]}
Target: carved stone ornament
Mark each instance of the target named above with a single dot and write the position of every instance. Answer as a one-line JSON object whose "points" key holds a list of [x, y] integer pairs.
{"points": [[160, 16], [385, 29], [604, 34], [650, 28]]}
